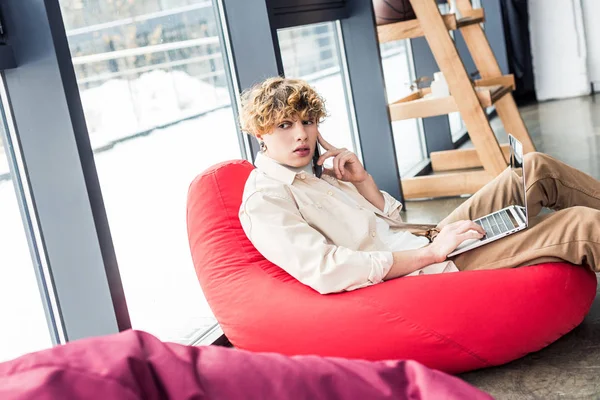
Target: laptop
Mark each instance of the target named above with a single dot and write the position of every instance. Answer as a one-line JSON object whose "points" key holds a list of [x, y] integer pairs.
{"points": [[509, 220]]}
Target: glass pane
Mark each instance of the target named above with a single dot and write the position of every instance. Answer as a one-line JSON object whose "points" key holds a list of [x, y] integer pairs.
{"points": [[154, 91], [454, 119], [456, 125], [399, 76], [312, 53], [25, 327]]}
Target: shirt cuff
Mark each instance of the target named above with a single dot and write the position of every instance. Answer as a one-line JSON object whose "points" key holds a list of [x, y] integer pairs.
{"points": [[392, 206], [387, 205], [381, 263]]}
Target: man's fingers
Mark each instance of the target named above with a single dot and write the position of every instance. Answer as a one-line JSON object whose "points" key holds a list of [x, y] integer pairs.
{"points": [[469, 235], [326, 145], [466, 225], [476, 227], [343, 159], [456, 226], [323, 157], [328, 154], [336, 165]]}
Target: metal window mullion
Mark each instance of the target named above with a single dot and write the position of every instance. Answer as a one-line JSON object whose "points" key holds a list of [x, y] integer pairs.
{"points": [[251, 63], [341, 52], [231, 77], [33, 235]]}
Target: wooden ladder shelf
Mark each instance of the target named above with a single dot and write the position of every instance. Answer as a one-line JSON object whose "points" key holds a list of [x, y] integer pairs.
{"points": [[458, 172], [412, 29]]}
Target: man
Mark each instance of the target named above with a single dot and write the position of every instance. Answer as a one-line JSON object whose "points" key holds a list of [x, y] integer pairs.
{"points": [[340, 232]]}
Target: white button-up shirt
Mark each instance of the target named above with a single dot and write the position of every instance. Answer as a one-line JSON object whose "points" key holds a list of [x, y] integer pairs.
{"points": [[323, 231]]}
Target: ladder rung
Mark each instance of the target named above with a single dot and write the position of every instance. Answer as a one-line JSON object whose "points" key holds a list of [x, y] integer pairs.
{"points": [[412, 29]]}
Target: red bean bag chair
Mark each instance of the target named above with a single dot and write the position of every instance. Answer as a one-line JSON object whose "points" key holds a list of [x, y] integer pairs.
{"points": [[452, 322], [136, 365]]}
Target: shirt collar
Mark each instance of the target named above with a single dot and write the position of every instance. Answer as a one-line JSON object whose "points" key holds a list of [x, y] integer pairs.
{"points": [[276, 170]]}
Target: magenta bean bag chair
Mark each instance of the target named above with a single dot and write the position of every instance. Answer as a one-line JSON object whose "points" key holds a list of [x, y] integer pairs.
{"points": [[136, 365], [452, 322]]}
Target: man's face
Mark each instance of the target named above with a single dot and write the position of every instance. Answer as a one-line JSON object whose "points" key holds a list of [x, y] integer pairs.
{"points": [[292, 142]]}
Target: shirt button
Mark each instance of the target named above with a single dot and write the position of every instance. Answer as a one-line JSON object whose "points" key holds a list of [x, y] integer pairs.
{"points": [[319, 206], [302, 176], [373, 234], [330, 193]]}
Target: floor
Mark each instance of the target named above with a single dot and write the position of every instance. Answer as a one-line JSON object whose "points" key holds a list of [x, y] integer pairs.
{"points": [[569, 368]]}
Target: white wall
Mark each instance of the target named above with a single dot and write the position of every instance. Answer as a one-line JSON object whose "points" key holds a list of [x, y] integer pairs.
{"points": [[558, 48], [591, 15]]}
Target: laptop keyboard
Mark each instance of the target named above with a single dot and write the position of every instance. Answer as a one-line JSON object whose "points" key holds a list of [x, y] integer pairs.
{"points": [[496, 224]]}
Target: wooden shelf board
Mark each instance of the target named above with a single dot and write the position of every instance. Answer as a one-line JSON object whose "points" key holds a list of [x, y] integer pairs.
{"points": [[474, 16], [504, 80], [449, 160], [412, 29], [444, 185], [417, 105]]}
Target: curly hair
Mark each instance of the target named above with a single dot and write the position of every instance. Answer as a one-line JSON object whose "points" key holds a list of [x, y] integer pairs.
{"points": [[268, 103]]}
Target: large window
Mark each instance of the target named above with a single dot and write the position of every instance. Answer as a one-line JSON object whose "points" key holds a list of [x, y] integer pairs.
{"points": [[399, 76], [24, 324], [314, 53], [154, 91]]}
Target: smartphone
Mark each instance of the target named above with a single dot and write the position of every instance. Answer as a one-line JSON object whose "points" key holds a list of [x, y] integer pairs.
{"points": [[316, 167]]}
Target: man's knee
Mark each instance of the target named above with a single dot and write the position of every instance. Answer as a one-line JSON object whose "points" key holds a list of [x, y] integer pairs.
{"points": [[584, 212], [582, 216], [570, 224], [538, 164], [537, 158]]}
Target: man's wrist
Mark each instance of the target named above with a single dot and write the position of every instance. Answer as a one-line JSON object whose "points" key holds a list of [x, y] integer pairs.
{"points": [[368, 179], [408, 261], [431, 254]]}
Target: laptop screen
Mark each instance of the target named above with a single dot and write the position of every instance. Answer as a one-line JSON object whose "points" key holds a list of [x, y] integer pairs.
{"points": [[518, 173]]}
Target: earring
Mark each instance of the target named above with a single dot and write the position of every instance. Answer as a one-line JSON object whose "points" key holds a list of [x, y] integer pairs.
{"points": [[263, 146]]}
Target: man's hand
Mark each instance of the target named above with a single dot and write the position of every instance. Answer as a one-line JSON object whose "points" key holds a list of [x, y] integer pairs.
{"points": [[346, 165], [452, 235]]}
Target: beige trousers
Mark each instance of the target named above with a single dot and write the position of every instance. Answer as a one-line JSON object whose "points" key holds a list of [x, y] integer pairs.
{"points": [[571, 234]]}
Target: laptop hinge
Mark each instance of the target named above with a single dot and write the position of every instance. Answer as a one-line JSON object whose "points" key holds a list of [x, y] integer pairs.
{"points": [[521, 214]]}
